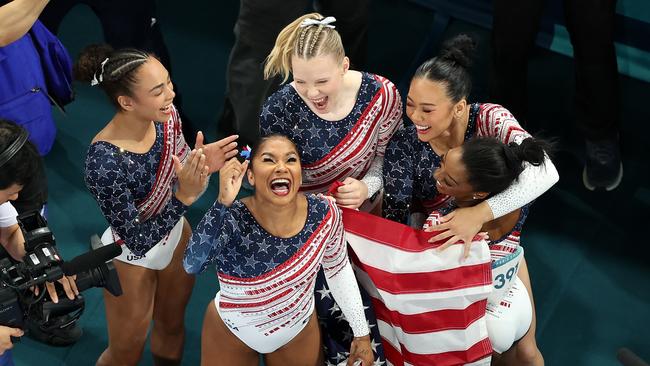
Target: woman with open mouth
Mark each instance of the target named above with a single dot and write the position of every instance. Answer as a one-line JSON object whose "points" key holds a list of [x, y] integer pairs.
{"points": [[469, 174], [340, 119], [442, 119], [144, 176], [268, 248]]}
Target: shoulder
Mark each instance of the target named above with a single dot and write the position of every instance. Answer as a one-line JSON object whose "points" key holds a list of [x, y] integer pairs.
{"points": [[382, 83], [8, 215], [284, 93], [321, 206]]}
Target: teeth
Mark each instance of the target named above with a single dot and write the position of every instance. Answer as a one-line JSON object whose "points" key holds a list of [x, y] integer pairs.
{"points": [[421, 127], [280, 181], [320, 100]]}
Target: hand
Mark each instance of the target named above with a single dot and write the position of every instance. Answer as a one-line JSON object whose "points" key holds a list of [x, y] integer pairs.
{"points": [[352, 193], [231, 176], [360, 349], [69, 286], [5, 337], [217, 153], [192, 177], [461, 225]]}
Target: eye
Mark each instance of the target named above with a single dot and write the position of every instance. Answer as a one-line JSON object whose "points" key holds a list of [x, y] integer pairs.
{"points": [[320, 82], [299, 82], [292, 159], [427, 110], [410, 105], [267, 160]]}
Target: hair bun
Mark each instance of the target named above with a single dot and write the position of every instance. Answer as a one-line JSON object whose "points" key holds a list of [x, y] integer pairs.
{"points": [[90, 60], [459, 50]]}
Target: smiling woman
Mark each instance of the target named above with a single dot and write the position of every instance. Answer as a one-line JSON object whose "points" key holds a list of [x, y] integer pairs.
{"points": [[268, 249], [144, 176]]}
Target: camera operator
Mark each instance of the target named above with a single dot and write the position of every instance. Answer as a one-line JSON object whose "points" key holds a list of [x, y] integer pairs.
{"points": [[18, 161]]}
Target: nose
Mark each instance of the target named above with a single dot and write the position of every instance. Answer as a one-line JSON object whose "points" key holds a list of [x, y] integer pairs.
{"points": [[312, 92], [170, 91], [13, 197], [280, 167]]}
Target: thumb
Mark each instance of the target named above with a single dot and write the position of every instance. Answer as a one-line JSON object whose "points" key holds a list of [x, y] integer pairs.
{"points": [[199, 140], [348, 180]]}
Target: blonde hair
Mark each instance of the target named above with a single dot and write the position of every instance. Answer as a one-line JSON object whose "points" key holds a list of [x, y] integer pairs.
{"points": [[306, 42]]}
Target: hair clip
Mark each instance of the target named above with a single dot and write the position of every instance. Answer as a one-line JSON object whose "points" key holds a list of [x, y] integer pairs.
{"points": [[96, 80], [325, 22], [245, 152]]}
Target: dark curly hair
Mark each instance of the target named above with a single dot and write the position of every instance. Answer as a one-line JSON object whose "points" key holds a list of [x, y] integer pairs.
{"points": [[24, 164]]}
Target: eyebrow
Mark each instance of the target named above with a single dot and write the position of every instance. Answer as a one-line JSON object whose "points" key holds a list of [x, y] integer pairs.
{"points": [[159, 85], [443, 158], [411, 99]]}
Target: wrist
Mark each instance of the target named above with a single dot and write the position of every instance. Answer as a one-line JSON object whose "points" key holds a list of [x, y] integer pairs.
{"points": [[224, 201], [484, 211], [185, 199]]}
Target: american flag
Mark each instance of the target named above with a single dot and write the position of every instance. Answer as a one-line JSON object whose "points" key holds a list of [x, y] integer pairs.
{"points": [[430, 306]]}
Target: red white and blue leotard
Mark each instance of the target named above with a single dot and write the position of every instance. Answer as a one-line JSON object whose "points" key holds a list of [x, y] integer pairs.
{"points": [[266, 282]]}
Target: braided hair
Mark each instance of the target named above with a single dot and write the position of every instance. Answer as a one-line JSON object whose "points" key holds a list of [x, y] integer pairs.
{"points": [[305, 41], [112, 70]]}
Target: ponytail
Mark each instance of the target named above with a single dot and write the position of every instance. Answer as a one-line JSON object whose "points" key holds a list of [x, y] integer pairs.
{"points": [[492, 166]]}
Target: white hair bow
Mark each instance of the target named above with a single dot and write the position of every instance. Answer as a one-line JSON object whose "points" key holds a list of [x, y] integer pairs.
{"points": [[325, 22], [96, 80]]}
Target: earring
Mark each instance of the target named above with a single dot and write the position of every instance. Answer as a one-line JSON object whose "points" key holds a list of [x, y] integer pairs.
{"points": [[474, 197]]}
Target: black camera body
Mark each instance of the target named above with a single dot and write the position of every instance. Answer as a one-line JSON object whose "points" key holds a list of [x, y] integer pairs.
{"points": [[42, 264]]}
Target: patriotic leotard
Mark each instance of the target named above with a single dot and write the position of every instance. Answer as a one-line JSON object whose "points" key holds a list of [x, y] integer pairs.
{"points": [[266, 282]]}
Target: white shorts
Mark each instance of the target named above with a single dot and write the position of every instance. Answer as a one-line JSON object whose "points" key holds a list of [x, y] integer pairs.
{"points": [[158, 257], [244, 328]]}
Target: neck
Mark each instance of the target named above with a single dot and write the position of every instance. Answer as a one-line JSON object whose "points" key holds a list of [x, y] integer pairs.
{"points": [[279, 220], [128, 125], [454, 136]]}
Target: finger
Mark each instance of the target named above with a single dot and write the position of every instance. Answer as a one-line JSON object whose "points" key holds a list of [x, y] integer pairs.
{"points": [[441, 227], [230, 147], [199, 140], [448, 243], [16, 332], [52, 291], [467, 247], [231, 153], [227, 140], [73, 284], [448, 216], [442, 236], [178, 168], [66, 288]]}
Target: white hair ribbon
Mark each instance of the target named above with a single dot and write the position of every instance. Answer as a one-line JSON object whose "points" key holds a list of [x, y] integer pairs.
{"points": [[325, 22], [96, 80]]}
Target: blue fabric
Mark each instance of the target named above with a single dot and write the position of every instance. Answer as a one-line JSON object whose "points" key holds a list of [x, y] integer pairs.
{"points": [[408, 170], [286, 113], [231, 238], [119, 179], [56, 64], [6, 359], [23, 92]]}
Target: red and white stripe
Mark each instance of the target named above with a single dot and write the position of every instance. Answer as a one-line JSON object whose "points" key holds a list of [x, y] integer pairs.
{"points": [[280, 297], [173, 144], [368, 138], [430, 306], [495, 121]]}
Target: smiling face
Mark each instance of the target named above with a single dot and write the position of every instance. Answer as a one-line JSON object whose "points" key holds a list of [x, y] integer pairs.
{"points": [[319, 79], [451, 177], [430, 109], [275, 171], [152, 94]]}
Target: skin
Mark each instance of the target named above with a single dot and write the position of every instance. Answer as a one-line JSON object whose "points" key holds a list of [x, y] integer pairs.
{"points": [[324, 78], [283, 216], [429, 105], [149, 295], [17, 17], [451, 179]]}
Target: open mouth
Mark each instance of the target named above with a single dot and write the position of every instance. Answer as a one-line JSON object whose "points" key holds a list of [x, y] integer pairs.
{"points": [[422, 129], [166, 109], [280, 187], [320, 103]]}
